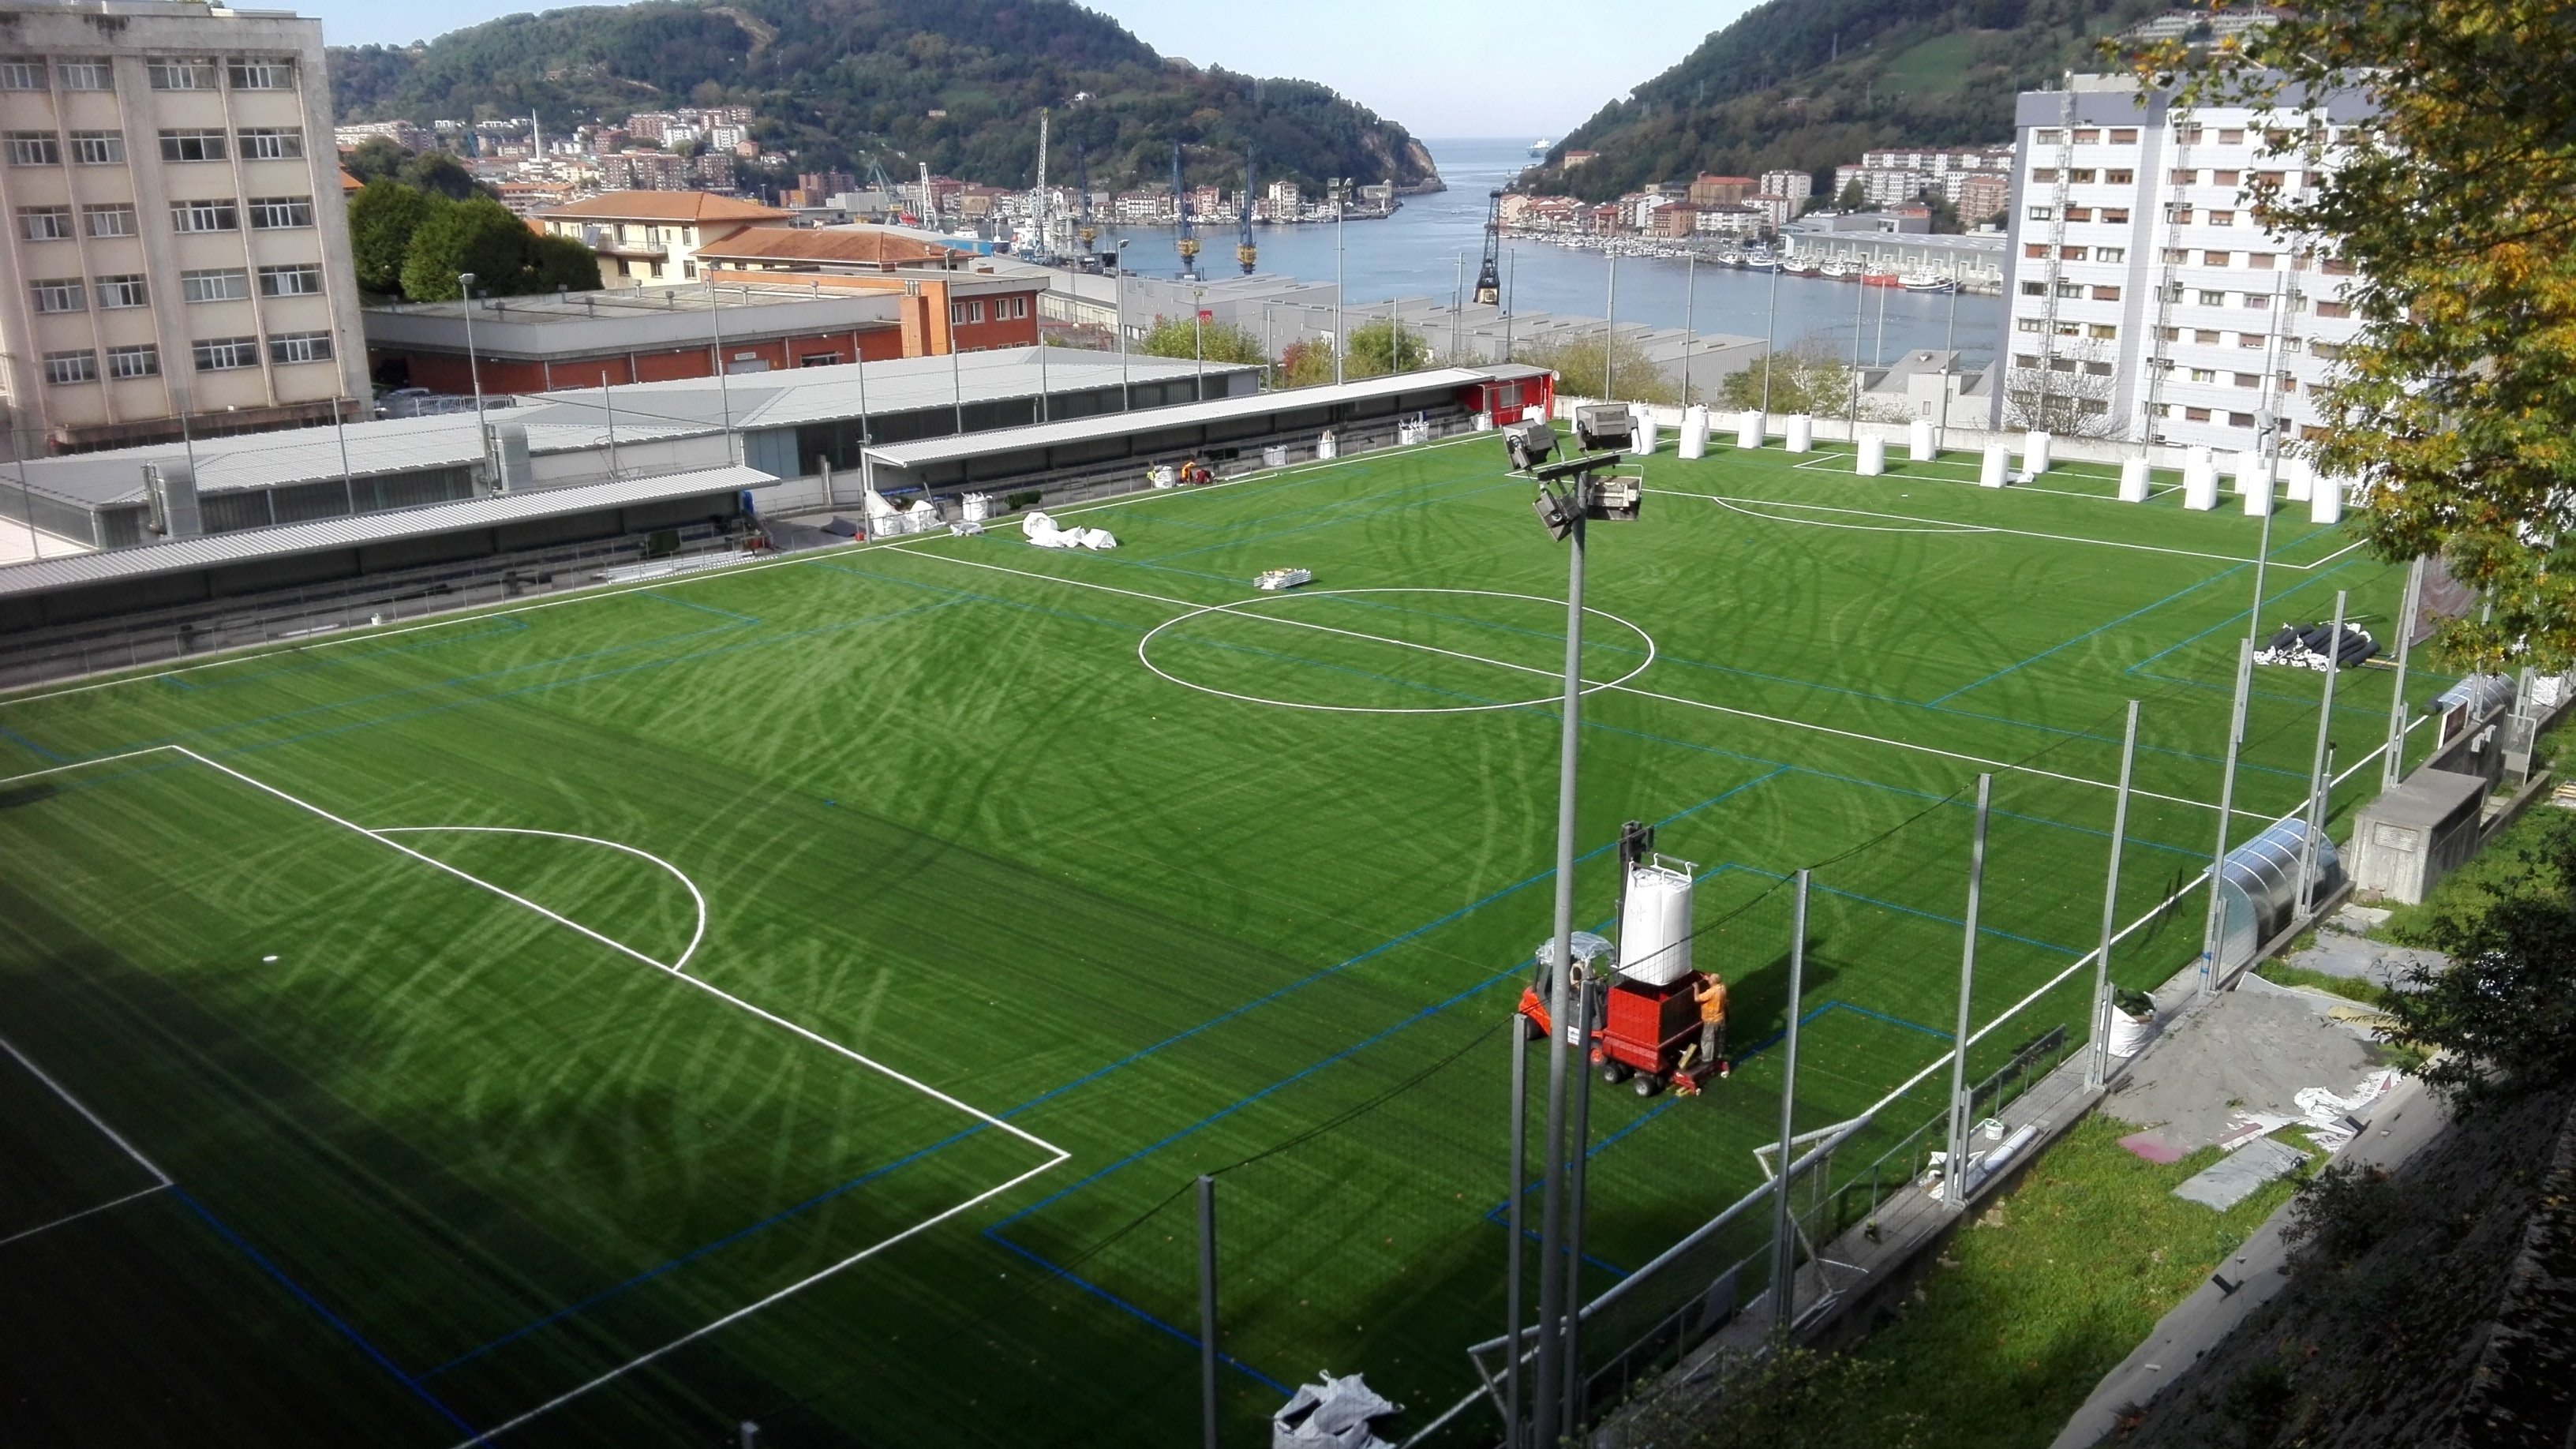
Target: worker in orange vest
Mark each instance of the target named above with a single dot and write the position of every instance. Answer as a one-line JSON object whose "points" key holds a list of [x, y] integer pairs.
{"points": [[1711, 996]]}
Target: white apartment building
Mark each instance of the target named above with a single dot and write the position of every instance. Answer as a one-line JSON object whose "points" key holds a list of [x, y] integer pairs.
{"points": [[1940, 163], [176, 244], [2140, 266], [1789, 185]]}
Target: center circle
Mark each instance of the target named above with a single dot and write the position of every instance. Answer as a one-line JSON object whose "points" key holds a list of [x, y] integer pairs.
{"points": [[1249, 609]]}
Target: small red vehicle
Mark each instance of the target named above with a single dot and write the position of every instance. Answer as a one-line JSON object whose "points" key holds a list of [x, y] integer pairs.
{"points": [[1644, 1034]]}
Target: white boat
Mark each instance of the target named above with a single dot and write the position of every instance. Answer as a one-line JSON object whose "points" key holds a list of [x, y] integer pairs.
{"points": [[1918, 282], [1538, 149]]}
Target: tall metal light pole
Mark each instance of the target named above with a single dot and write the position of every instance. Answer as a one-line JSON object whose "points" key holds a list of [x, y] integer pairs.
{"points": [[1784, 1228], [1690, 327], [2213, 937], [724, 390], [2097, 1061], [1198, 345], [2321, 780], [1610, 329], [1341, 214], [2392, 765], [1771, 335], [1546, 1403], [1126, 391], [1954, 1166], [473, 369]]}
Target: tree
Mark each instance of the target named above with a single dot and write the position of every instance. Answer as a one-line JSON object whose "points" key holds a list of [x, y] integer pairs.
{"points": [[1379, 348], [477, 236], [2067, 394], [377, 158], [1585, 367], [383, 217], [2455, 204], [561, 262], [1306, 364], [1214, 341], [1853, 198], [439, 173], [1805, 379], [2502, 1020]]}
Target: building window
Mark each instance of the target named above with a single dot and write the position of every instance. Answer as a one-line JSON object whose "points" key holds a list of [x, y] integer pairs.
{"points": [[2222, 218], [2124, 135], [302, 279], [965, 314], [2197, 415], [2335, 267], [300, 347], [2240, 420], [2048, 137], [2203, 374], [2088, 136], [205, 216], [215, 285], [2289, 383], [2116, 215], [2120, 178], [2213, 299], [2227, 178], [180, 75], [2102, 331], [2098, 369], [280, 213], [2042, 213], [2185, 177], [2043, 173], [2259, 301], [2179, 214], [272, 145], [2259, 261], [261, 75], [2334, 309], [98, 148], [45, 223], [2026, 359], [2106, 294], [2250, 339], [2079, 213], [58, 294], [2110, 254], [87, 75], [143, 361], [819, 359], [2035, 249], [22, 73], [2231, 138], [2034, 289], [2326, 350], [192, 146], [2081, 178], [2030, 324], [35, 148], [2213, 259], [2249, 379], [126, 291], [62, 368], [109, 220], [2073, 254], [2207, 338], [219, 354]]}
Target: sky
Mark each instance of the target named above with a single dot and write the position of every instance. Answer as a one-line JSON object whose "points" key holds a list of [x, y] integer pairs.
{"points": [[1440, 68]]}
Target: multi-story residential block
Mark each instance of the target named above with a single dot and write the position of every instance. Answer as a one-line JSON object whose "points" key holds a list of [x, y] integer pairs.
{"points": [[176, 248], [1708, 190], [651, 238], [1941, 163], [1790, 185], [2146, 292], [1982, 195]]}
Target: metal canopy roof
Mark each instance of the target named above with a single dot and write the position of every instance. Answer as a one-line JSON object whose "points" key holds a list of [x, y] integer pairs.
{"points": [[214, 550], [1185, 415], [578, 420]]}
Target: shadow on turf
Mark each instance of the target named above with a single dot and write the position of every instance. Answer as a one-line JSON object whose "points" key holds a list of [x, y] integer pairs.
{"points": [[28, 794]]}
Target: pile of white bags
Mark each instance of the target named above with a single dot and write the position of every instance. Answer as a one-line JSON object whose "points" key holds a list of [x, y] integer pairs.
{"points": [[1044, 532]]}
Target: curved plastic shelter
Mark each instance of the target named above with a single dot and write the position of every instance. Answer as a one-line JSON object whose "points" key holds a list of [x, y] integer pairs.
{"points": [[2258, 889]]}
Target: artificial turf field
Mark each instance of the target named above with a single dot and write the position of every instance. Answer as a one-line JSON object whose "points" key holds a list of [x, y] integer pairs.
{"points": [[805, 992]]}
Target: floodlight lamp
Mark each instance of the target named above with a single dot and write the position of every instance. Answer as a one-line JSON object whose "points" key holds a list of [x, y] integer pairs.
{"points": [[1616, 499], [1604, 426], [1529, 444], [1558, 509]]}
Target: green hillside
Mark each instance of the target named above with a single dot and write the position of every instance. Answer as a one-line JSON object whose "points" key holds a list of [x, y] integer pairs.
{"points": [[1805, 84], [955, 83]]}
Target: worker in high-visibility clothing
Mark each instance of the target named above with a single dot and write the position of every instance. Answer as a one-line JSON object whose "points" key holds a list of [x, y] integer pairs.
{"points": [[1711, 996]]}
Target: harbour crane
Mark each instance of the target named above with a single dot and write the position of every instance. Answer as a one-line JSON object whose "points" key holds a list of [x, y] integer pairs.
{"points": [[1489, 275], [1188, 244], [1083, 230], [1244, 252]]}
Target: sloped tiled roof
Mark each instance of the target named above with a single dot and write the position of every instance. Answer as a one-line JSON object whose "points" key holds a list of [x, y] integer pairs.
{"points": [[848, 245], [699, 206]]}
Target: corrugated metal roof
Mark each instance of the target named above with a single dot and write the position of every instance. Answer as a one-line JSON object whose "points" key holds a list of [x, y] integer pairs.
{"points": [[217, 549], [1184, 415]]}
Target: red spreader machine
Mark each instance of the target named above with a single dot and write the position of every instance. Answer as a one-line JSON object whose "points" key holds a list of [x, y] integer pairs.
{"points": [[1644, 1028]]}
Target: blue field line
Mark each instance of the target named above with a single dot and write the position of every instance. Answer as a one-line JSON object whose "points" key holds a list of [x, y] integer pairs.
{"points": [[2089, 633], [657, 594], [1376, 496], [312, 659], [1087, 1286], [2140, 668], [1249, 540], [327, 1316], [649, 1274], [31, 747], [1982, 930]]}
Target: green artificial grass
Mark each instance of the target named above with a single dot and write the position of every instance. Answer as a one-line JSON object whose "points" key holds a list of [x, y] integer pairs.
{"points": [[1169, 875], [2043, 1293]]}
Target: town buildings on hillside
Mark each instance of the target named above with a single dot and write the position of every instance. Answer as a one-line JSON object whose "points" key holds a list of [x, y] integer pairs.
{"points": [[178, 255], [2148, 300]]}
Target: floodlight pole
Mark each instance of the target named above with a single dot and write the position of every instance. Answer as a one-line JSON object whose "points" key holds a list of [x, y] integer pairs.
{"points": [[1610, 331], [1126, 390], [1207, 1311], [1858, 302], [473, 368], [724, 390], [1578, 1164], [2321, 777], [1690, 326], [2392, 763], [2213, 935], [2097, 1067], [1547, 1405], [1784, 1233], [1341, 324], [1519, 1190], [2262, 557], [1954, 1168], [1770, 335]]}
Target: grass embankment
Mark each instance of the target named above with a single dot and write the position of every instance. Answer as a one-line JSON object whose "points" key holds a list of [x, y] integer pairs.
{"points": [[2044, 1293]]}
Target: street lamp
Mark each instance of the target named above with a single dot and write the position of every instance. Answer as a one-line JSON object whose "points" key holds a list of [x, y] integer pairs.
{"points": [[473, 369]]}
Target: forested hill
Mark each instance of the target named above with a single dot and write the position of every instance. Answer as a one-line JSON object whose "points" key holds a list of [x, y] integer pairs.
{"points": [[1803, 84], [955, 83]]}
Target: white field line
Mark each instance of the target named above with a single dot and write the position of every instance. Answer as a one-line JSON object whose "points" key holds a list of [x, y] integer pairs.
{"points": [[84, 1212], [1955, 526], [234, 655], [677, 874], [1782, 721], [1056, 1156], [748, 1309], [160, 1179]]}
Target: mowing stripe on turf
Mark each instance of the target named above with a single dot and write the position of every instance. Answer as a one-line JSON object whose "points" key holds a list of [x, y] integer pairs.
{"points": [[1954, 526]]}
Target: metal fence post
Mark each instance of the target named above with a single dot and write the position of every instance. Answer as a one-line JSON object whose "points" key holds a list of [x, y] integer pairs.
{"points": [[1954, 1168], [2097, 1067], [2320, 780], [1519, 1154], [1207, 1311], [2392, 765], [2214, 934], [1784, 1239]]}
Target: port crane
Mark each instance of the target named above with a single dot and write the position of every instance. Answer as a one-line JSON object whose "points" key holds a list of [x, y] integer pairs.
{"points": [[1188, 244], [1083, 230], [1244, 252], [1489, 273]]}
